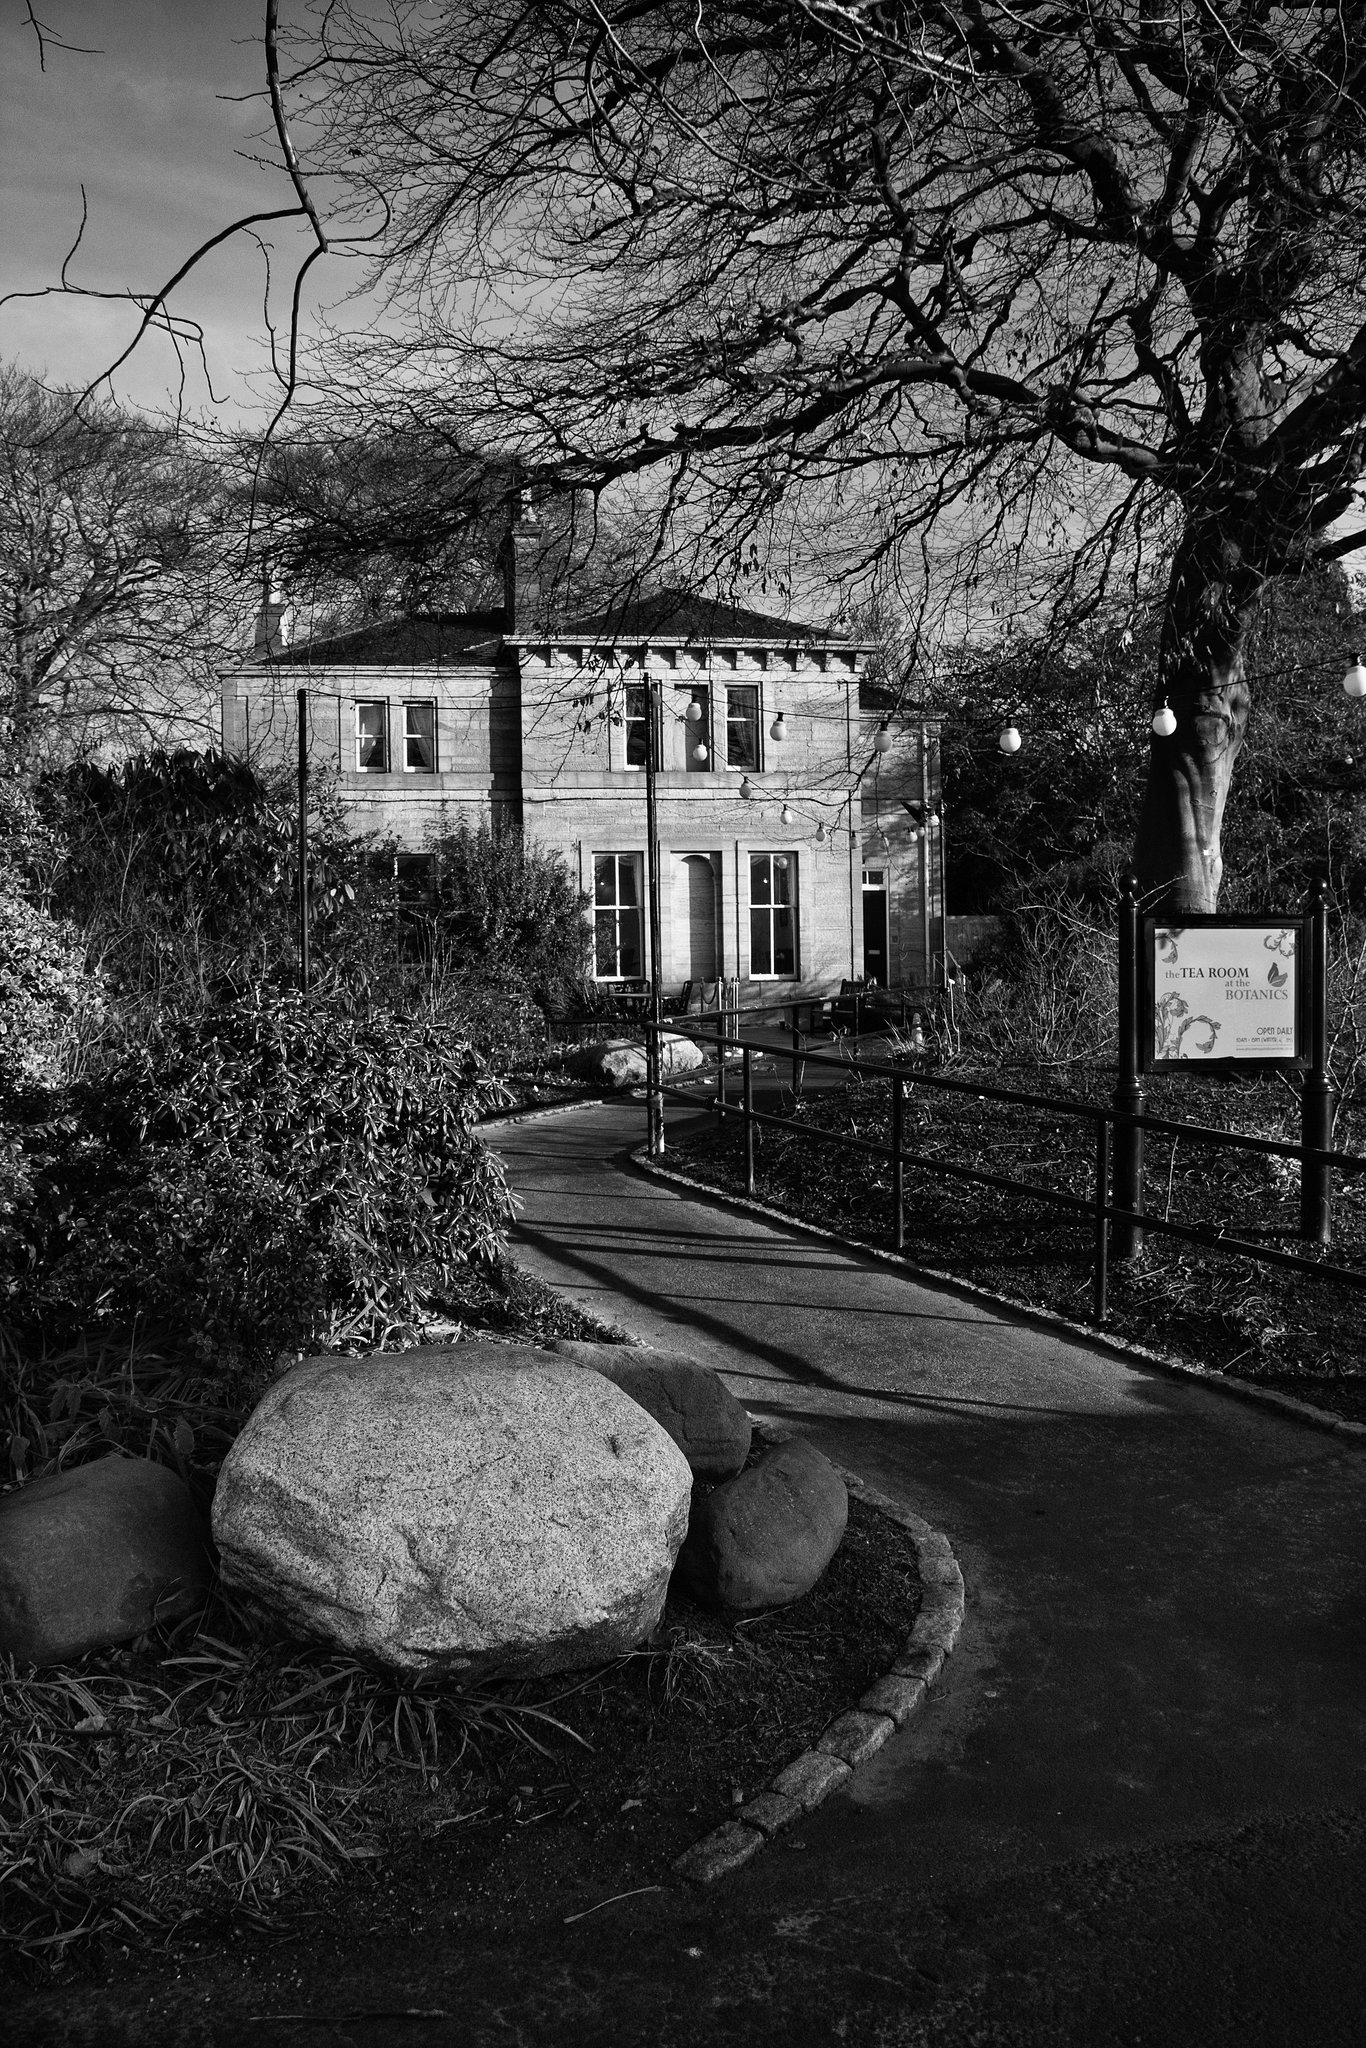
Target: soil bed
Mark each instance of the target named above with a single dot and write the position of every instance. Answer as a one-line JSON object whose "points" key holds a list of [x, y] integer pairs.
{"points": [[209, 1789], [1281, 1328]]}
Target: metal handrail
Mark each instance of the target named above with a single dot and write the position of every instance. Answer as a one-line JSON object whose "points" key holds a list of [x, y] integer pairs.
{"points": [[1105, 1120]]}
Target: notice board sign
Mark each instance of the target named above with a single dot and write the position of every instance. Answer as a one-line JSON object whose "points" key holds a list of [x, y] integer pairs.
{"points": [[1226, 992]]}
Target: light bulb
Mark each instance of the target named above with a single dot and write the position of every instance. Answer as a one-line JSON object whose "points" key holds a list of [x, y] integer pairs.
{"points": [[778, 729], [820, 834], [693, 714], [785, 816], [1164, 722], [1009, 740], [699, 752], [747, 790], [1354, 682], [882, 739]]}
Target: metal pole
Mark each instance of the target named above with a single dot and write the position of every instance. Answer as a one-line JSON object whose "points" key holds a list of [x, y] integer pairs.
{"points": [[926, 865], [301, 697], [898, 1167], [1316, 1089], [796, 1056], [720, 1066], [1100, 1301], [747, 1077], [654, 1097], [1128, 1143]]}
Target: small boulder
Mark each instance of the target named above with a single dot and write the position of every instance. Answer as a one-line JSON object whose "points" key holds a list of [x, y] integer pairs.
{"points": [[619, 1063], [763, 1538], [686, 1398], [472, 1508], [96, 1556]]}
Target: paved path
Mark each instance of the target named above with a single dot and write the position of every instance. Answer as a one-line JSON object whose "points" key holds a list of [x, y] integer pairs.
{"points": [[1134, 1810]]}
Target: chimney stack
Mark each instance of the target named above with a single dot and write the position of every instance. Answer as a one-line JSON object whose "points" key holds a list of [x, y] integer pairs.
{"points": [[522, 570], [273, 621]]}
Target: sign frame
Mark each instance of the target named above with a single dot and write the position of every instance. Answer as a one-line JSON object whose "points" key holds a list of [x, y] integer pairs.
{"points": [[1297, 1061]]}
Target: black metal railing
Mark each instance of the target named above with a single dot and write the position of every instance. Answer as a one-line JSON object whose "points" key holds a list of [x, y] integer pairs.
{"points": [[1129, 1223]]}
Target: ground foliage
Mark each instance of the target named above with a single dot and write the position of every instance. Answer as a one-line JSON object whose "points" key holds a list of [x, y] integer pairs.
{"points": [[213, 1780]]}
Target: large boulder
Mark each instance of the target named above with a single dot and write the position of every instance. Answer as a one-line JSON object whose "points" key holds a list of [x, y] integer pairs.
{"points": [[96, 1556], [686, 1398], [473, 1508], [620, 1062], [764, 1538]]}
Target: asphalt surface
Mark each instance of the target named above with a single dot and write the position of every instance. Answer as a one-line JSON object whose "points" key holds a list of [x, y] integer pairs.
{"points": [[1132, 1810]]}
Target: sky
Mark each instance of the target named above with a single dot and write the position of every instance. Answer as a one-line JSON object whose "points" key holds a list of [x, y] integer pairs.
{"points": [[156, 126]]}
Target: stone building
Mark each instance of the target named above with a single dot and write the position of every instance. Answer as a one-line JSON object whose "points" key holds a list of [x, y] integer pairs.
{"points": [[794, 853]]}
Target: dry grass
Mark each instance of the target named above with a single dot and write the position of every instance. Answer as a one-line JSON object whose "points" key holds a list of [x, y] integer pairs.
{"points": [[139, 1795]]}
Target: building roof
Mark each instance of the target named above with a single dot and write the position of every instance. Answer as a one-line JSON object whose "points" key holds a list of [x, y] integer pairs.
{"points": [[682, 616], [435, 639], [422, 640]]}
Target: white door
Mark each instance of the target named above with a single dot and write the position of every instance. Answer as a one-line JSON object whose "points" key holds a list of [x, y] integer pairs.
{"points": [[694, 909]]}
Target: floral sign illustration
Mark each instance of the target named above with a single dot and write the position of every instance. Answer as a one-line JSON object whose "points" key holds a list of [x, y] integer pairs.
{"points": [[1225, 992]]}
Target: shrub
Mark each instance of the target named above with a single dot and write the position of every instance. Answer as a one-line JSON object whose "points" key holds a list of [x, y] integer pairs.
{"points": [[271, 1172], [509, 915]]}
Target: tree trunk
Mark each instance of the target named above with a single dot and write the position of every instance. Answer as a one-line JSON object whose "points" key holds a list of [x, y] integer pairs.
{"points": [[1212, 600]]}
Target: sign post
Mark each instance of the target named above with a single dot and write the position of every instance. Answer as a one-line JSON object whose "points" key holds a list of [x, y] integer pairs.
{"points": [[1316, 1089], [1127, 1180], [1240, 994]]}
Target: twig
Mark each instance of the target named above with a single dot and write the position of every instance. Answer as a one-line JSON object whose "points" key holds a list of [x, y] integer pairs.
{"points": [[615, 1899]]}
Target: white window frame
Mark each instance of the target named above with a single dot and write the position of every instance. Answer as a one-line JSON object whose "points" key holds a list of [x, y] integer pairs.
{"points": [[756, 767], [636, 863], [380, 704], [789, 868], [418, 704], [629, 720]]}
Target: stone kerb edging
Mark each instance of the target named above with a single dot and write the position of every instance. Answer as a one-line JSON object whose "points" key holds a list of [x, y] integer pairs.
{"points": [[859, 1733], [1122, 1348]]}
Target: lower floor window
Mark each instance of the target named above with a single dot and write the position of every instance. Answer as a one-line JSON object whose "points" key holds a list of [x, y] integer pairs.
{"points": [[617, 953], [773, 914]]}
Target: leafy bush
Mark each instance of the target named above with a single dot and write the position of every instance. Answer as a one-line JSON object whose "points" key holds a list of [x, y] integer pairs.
{"points": [[272, 1171], [508, 915]]}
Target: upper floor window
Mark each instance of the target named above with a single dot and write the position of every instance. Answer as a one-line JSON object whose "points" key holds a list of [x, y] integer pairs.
{"points": [[697, 730], [419, 738], [773, 914], [742, 725], [637, 723], [372, 738]]}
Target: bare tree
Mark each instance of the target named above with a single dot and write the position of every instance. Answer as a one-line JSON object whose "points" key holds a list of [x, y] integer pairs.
{"points": [[1077, 286], [120, 595]]}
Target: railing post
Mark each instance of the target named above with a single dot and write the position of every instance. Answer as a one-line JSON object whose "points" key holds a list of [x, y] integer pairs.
{"points": [[1128, 1144], [898, 1169], [1100, 1293], [1316, 1088], [796, 1056], [301, 699], [720, 1070], [747, 1088]]}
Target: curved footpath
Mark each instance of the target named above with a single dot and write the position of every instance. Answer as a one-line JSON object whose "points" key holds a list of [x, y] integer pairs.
{"points": [[1130, 1811]]}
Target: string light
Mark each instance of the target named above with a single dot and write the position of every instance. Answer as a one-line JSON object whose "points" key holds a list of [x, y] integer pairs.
{"points": [[882, 738], [747, 790], [693, 714], [820, 833], [785, 816], [1008, 739], [1164, 721], [1354, 682], [700, 751], [778, 729]]}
